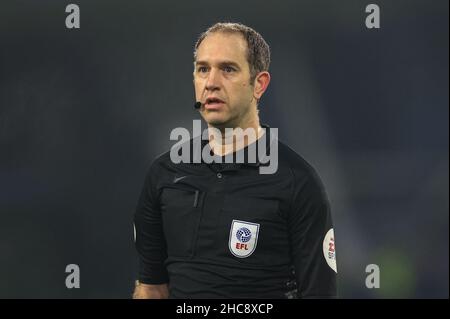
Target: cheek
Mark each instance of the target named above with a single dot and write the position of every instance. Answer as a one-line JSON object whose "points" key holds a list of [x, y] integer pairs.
{"points": [[246, 90], [196, 83], [198, 86], [239, 96]]}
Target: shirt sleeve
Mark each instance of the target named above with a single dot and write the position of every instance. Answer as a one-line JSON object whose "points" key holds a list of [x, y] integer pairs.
{"points": [[312, 239], [150, 242]]}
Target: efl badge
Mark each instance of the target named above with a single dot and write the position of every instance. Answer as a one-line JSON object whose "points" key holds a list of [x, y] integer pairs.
{"points": [[329, 249], [243, 238]]}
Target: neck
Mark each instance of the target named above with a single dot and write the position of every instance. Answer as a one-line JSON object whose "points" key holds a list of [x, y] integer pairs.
{"points": [[235, 138]]}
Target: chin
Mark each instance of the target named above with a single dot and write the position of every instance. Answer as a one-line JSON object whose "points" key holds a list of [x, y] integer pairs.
{"points": [[218, 121]]}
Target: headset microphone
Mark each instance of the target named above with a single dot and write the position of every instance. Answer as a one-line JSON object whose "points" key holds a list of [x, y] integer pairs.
{"points": [[197, 105]]}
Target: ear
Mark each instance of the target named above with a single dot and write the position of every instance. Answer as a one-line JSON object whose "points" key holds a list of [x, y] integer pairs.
{"points": [[262, 81]]}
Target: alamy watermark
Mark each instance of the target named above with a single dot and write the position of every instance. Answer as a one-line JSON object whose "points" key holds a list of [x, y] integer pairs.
{"points": [[263, 150], [373, 277], [73, 279], [373, 19], [73, 19]]}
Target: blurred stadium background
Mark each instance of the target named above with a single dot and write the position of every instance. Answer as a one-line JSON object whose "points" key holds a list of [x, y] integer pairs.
{"points": [[83, 113]]}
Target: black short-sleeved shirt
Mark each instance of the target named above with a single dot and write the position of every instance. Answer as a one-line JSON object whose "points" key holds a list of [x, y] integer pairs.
{"points": [[227, 231]]}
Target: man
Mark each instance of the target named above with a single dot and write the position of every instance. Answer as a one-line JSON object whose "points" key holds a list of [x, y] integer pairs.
{"points": [[221, 230]]}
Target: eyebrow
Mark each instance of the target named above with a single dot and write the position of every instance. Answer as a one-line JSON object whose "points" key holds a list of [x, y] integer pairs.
{"points": [[222, 63]]}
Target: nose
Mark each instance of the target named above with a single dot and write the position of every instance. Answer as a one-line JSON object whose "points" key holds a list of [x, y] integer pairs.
{"points": [[213, 81]]}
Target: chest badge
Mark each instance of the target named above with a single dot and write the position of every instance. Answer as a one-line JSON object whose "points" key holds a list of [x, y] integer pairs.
{"points": [[243, 238]]}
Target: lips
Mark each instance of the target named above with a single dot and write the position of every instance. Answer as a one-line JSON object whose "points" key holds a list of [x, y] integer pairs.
{"points": [[213, 103]]}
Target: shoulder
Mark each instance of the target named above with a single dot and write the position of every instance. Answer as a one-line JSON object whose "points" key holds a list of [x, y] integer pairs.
{"points": [[157, 168], [302, 174], [167, 163], [161, 160]]}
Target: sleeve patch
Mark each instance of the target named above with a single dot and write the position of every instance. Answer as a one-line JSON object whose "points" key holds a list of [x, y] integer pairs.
{"points": [[329, 250]]}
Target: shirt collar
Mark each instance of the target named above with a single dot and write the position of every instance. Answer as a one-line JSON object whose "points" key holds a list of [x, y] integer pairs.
{"points": [[235, 166]]}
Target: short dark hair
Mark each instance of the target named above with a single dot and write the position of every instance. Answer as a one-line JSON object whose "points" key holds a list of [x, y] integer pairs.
{"points": [[258, 51]]}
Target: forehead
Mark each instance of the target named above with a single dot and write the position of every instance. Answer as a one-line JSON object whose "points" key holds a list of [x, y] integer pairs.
{"points": [[221, 46]]}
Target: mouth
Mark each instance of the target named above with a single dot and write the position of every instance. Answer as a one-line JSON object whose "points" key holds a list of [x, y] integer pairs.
{"points": [[213, 103]]}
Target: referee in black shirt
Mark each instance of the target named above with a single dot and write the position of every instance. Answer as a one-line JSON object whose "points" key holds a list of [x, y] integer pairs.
{"points": [[224, 230]]}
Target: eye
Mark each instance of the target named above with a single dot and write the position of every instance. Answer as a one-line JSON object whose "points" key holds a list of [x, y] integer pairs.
{"points": [[202, 69], [228, 69]]}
